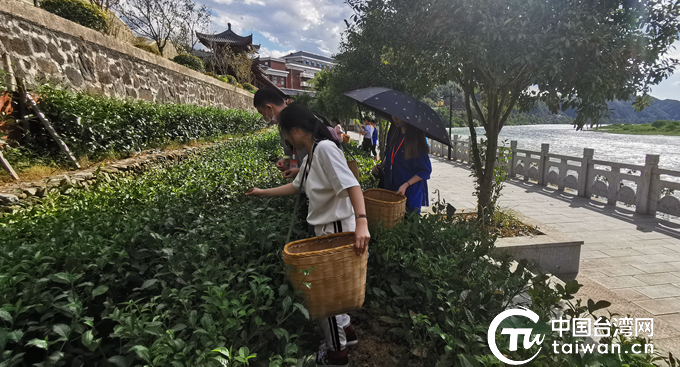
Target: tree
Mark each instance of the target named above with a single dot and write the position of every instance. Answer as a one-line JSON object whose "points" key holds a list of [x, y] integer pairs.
{"points": [[575, 53], [195, 18], [225, 61], [157, 20], [163, 21], [362, 63], [443, 93]]}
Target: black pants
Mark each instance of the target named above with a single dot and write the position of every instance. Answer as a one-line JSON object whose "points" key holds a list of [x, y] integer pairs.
{"points": [[367, 145]]}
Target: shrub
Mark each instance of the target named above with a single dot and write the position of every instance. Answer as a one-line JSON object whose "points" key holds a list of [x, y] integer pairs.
{"points": [[148, 48], [98, 125], [212, 74], [249, 87], [659, 123], [167, 235], [78, 11], [231, 79], [190, 61]]}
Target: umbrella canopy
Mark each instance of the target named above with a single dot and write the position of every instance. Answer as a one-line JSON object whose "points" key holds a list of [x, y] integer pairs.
{"points": [[388, 102]]}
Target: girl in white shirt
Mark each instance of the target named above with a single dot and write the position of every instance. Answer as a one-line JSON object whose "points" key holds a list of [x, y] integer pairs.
{"points": [[336, 204]]}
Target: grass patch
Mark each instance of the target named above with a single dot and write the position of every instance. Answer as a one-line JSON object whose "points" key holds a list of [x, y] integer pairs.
{"points": [[659, 127]]}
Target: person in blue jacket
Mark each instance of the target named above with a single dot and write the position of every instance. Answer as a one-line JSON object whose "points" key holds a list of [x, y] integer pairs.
{"points": [[374, 139], [407, 165]]}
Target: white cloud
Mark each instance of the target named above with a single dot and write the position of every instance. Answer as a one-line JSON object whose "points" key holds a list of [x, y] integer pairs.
{"points": [[265, 52], [305, 25]]}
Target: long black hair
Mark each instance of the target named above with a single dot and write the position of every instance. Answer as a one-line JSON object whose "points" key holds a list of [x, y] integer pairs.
{"points": [[297, 116]]}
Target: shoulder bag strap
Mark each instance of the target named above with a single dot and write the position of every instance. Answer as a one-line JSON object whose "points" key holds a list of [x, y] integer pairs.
{"points": [[305, 174]]}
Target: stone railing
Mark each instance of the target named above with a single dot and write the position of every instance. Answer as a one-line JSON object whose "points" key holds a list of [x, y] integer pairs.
{"points": [[646, 187]]}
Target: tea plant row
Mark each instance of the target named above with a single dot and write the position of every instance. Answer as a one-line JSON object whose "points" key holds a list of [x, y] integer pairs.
{"points": [[95, 125]]}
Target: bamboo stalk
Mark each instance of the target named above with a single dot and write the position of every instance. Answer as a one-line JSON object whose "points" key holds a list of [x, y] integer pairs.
{"points": [[8, 167], [50, 129]]}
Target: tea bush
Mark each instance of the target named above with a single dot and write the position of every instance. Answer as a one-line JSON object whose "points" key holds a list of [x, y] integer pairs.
{"points": [[190, 61], [78, 11], [95, 125], [439, 291], [174, 267]]}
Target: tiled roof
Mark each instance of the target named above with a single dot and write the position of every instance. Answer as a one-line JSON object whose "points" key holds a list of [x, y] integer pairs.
{"points": [[228, 37]]}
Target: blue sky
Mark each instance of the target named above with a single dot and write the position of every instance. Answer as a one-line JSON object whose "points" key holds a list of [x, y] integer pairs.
{"points": [[281, 27]]}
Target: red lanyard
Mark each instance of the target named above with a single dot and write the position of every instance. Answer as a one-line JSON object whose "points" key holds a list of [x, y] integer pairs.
{"points": [[394, 153]]}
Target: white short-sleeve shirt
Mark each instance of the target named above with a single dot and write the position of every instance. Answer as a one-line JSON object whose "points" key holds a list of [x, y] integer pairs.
{"points": [[326, 185]]}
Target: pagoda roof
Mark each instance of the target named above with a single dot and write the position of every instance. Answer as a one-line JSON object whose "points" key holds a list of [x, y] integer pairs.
{"points": [[226, 37]]}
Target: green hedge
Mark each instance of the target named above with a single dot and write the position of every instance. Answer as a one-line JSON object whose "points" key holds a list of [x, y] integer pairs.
{"points": [[190, 61], [78, 11], [94, 125]]}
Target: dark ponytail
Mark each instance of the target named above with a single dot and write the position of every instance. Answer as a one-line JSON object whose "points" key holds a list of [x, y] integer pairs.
{"points": [[297, 116]]}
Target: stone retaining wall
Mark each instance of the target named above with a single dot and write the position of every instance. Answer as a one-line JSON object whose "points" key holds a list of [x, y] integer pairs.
{"points": [[46, 46]]}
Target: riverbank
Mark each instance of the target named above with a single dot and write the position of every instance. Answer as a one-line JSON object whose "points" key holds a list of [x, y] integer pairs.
{"points": [[662, 127]]}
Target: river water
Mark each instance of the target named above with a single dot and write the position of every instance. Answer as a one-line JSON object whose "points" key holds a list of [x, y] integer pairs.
{"points": [[564, 139]]}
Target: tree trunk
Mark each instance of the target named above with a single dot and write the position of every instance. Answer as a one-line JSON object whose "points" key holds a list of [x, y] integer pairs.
{"points": [[486, 207]]}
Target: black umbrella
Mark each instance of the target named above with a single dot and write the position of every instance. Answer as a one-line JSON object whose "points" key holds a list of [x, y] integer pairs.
{"points": [[387, 102]]}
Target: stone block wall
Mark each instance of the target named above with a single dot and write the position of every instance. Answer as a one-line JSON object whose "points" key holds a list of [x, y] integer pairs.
{"points": [[45, 47]]}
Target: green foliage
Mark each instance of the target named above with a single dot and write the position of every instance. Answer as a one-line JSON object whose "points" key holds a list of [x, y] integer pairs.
{"points": [[148, 48], [190, 61], [456, 118], [365, 163], [175, 267], [78, 11], [231, 79], [660, 123], [436, 289], [249, 87], [576, 56], [658, 127], [94, 125], [3, 81]]}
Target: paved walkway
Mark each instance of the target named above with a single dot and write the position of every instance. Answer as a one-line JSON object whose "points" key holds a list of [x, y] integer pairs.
{"points": [[628, 259]]}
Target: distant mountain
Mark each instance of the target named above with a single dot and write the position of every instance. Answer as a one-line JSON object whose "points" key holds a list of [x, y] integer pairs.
{"points": [[623, 112]]}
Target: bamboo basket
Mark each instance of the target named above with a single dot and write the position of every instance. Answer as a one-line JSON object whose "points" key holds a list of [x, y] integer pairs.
{"points": [[345, 138], [338, 280], [384, 208], [354, 167]]}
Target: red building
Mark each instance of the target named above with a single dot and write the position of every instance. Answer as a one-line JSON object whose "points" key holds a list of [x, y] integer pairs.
{"points": [[293, 72]]}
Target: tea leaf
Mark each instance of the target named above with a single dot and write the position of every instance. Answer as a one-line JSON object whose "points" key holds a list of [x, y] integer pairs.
{"points": [[99, 290]]}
